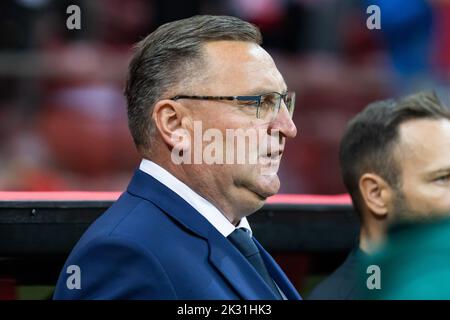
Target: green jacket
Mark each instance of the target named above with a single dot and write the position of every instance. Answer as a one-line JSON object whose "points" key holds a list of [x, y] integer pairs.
{"points": [[414, 263]]}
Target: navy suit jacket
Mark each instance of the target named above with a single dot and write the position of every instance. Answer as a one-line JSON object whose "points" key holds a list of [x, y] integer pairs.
{"points": [[151, 244]]}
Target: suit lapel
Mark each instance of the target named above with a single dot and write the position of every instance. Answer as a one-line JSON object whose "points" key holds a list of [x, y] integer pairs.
{"points": [[278, 275], [241, 275]]}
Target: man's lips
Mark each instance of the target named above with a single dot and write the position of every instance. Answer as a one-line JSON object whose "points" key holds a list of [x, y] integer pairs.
{"points": [[271, 158], [274, 154]]}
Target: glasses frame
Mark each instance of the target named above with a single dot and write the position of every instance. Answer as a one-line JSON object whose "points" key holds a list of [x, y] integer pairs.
{"points": [[257, 99]]}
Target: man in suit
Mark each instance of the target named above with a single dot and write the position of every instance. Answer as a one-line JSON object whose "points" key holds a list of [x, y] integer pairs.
{"points": [[395, 164], [180, 229]]}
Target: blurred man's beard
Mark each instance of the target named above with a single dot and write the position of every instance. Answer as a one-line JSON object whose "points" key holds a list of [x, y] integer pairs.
{"points": [[404, 213], [401, 208]]}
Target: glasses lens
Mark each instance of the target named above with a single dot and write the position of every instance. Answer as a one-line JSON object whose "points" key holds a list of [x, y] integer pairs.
{"points": [[270, 103], [290, 102]]}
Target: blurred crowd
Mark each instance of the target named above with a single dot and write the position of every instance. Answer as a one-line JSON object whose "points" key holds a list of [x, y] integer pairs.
{"points": [[63, 115]]}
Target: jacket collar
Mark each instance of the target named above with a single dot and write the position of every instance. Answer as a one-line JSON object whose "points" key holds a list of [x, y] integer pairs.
{"points": [[145, 186]]}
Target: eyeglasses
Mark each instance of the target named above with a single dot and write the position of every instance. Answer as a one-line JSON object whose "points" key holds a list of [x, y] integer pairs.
{"points": [[267, 104]]}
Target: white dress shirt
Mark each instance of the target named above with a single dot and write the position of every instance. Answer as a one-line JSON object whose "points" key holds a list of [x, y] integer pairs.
{"points": [[203, 206]]}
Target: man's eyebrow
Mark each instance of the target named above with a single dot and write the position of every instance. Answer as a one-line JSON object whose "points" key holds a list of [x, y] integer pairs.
{"points": [[439, 171]]}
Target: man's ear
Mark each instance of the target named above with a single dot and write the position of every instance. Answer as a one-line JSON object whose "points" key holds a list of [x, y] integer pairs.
{"points": [[376, 193], [170, 120]]}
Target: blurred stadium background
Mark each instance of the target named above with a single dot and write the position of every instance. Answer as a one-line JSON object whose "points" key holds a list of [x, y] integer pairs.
{"points": [[63, 114]]}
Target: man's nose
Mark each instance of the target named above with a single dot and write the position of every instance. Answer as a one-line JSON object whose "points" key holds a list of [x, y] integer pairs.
{"points": [[284, 123]]}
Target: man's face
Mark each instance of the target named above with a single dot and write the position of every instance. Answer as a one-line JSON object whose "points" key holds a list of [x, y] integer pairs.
{"points": [[423, 153], [241, 68]]}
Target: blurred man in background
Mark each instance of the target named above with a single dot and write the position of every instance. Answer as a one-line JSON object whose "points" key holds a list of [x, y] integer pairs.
{"points": [[180, 230], [395, 162], [414, 262]]}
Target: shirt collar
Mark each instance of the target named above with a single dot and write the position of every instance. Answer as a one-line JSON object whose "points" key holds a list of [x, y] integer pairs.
{"points": [[203, 206]]}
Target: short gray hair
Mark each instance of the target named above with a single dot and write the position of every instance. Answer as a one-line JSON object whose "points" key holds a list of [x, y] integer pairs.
{"points": [[168, 56]]}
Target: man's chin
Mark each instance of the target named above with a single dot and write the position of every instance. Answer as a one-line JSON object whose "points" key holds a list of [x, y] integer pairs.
{"points": [[266, 187]]}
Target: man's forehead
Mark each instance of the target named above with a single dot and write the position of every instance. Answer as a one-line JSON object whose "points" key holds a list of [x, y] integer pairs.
{"points": [[244, 50], [422, 141], [424, 131], [246, 61]]}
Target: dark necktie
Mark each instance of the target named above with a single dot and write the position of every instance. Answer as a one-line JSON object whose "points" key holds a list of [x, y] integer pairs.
{"points": [[242, 241]]}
